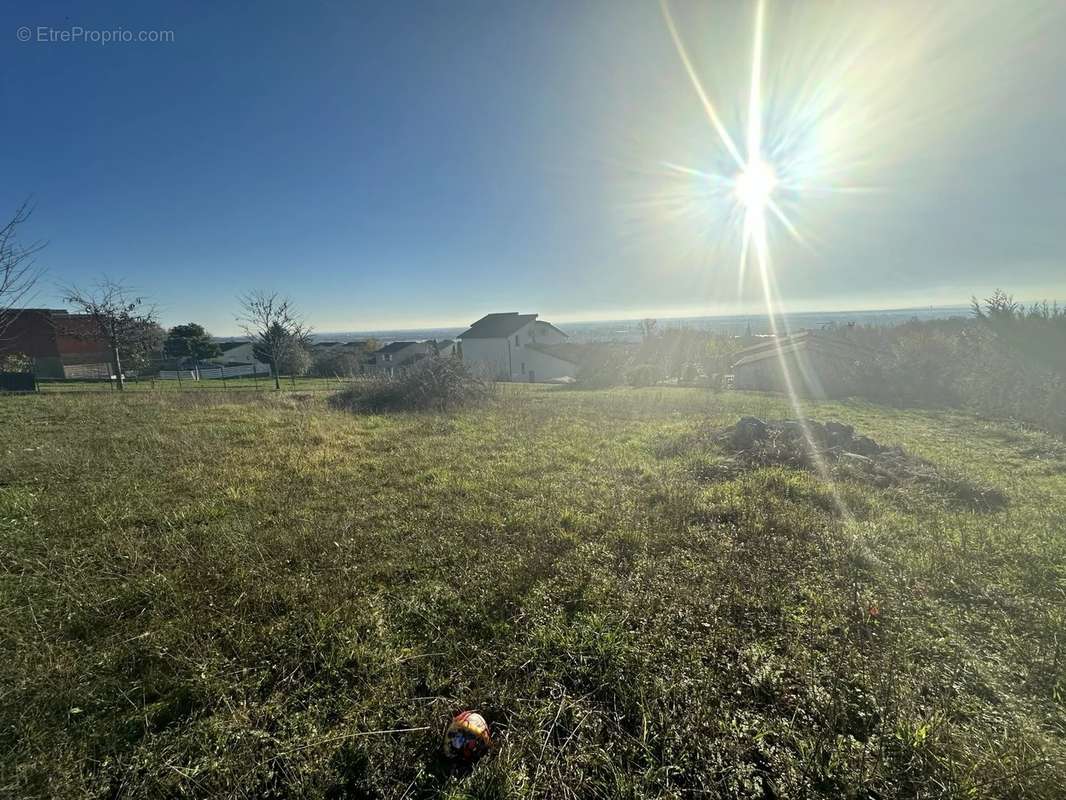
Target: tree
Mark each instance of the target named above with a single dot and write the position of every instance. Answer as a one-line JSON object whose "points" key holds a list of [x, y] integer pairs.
{"points": [[999, 306], [272, 323], [337, 362], [190, 341], [119, 318], [296, 360], [18, 268], [648, 329], [343, 360]]}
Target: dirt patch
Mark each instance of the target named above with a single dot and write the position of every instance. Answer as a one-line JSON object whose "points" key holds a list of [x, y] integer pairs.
{"points": [[834, 446]]}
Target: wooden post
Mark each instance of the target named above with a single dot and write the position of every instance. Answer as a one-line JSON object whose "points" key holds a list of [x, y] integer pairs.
{"points": [[118, 367]]}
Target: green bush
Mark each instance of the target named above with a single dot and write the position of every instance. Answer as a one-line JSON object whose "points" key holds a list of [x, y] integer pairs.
{"points": [[1005, 361]]}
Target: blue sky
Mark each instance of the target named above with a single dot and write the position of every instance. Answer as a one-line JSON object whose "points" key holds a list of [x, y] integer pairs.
{"points": [[407, 164]]}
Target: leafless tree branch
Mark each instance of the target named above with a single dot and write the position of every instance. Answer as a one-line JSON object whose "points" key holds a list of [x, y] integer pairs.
{"points": [[19, 271], [273, 324], [116, 315]]}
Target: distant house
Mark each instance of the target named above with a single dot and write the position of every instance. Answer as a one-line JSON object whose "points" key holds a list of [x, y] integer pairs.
{"points": [[395, 356], [516, 347], [817, 365], [56, 341], [238, 353]]}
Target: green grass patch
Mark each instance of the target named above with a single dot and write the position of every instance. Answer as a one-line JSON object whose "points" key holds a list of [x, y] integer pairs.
{"points": [[226, 594]]}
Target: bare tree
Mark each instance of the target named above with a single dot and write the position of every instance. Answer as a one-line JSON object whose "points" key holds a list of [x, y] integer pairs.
{"points": [[273, 325], [18, 268], [120, 318]]}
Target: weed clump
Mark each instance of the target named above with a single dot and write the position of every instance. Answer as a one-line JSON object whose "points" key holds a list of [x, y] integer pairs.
{"points": [[810, 444], [434, 384]]}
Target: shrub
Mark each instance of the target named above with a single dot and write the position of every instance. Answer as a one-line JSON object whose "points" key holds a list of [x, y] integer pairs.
{"points": [[602, 365], [337, 363], [1006, 361], [433, 384], [643, 375], [921, 369], [15, 362]]}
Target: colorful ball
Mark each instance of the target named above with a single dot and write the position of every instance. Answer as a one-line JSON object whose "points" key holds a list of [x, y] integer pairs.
{"points": [[467, 737]]}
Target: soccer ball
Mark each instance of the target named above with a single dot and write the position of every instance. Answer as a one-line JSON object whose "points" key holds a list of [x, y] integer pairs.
{"points": [[467, 737]]}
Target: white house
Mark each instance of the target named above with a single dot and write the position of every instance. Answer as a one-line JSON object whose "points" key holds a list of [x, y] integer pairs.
{"points": [[239, 352], [397, 355], [516, 347]]}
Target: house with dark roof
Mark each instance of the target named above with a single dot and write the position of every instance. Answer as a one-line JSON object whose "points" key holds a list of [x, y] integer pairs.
{"points": [[395, 356], [516, 347], [238, 353], [815, 365]]}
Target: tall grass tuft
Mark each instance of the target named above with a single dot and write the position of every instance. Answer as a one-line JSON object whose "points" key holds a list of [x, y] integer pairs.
{"points": [[435, 384]]}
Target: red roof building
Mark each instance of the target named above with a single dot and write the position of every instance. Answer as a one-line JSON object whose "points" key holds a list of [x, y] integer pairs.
{"points": [[52, 338]]}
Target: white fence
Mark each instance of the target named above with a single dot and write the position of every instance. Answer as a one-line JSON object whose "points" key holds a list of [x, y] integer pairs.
{"points": [[88, 371], [213, 373]]}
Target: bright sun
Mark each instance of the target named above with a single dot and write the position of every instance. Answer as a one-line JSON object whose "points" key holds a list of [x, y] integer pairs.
{"points": [[755, 185]]}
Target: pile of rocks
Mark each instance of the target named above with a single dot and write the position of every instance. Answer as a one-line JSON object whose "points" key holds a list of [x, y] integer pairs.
{"points": [[799, 443], [751, 431], [833, 445]]}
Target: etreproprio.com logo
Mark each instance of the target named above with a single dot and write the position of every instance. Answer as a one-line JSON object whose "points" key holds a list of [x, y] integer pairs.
{"points": [[77, 34]]}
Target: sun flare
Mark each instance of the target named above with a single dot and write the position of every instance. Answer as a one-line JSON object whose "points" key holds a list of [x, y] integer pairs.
{"points": [[755, 185], [753, 188]]}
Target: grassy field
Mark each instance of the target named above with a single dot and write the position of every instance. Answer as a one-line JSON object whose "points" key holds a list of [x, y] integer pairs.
{"points": [[212, 594]]}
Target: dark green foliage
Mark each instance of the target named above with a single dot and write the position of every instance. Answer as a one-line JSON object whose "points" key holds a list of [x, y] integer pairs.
{"points": [[279, 343], [190, 341], [1007, 361]]}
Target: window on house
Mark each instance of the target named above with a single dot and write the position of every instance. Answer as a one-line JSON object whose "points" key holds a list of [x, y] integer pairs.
{"points": [[516, 340], [523, 367]]}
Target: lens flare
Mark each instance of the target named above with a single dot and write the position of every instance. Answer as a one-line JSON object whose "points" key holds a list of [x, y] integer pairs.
{"points": [[754, 188], [755, 184]]}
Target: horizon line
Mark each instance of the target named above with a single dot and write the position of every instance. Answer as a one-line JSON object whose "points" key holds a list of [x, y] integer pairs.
{"points": [[635, 318]]}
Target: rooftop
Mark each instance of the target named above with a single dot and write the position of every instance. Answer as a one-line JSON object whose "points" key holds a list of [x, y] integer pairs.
{"points": [[799, 341], [394, 347], [497, 326]]}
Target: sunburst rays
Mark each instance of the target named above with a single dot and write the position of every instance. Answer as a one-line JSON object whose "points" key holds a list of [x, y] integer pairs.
{"points": [[753, 189]]}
